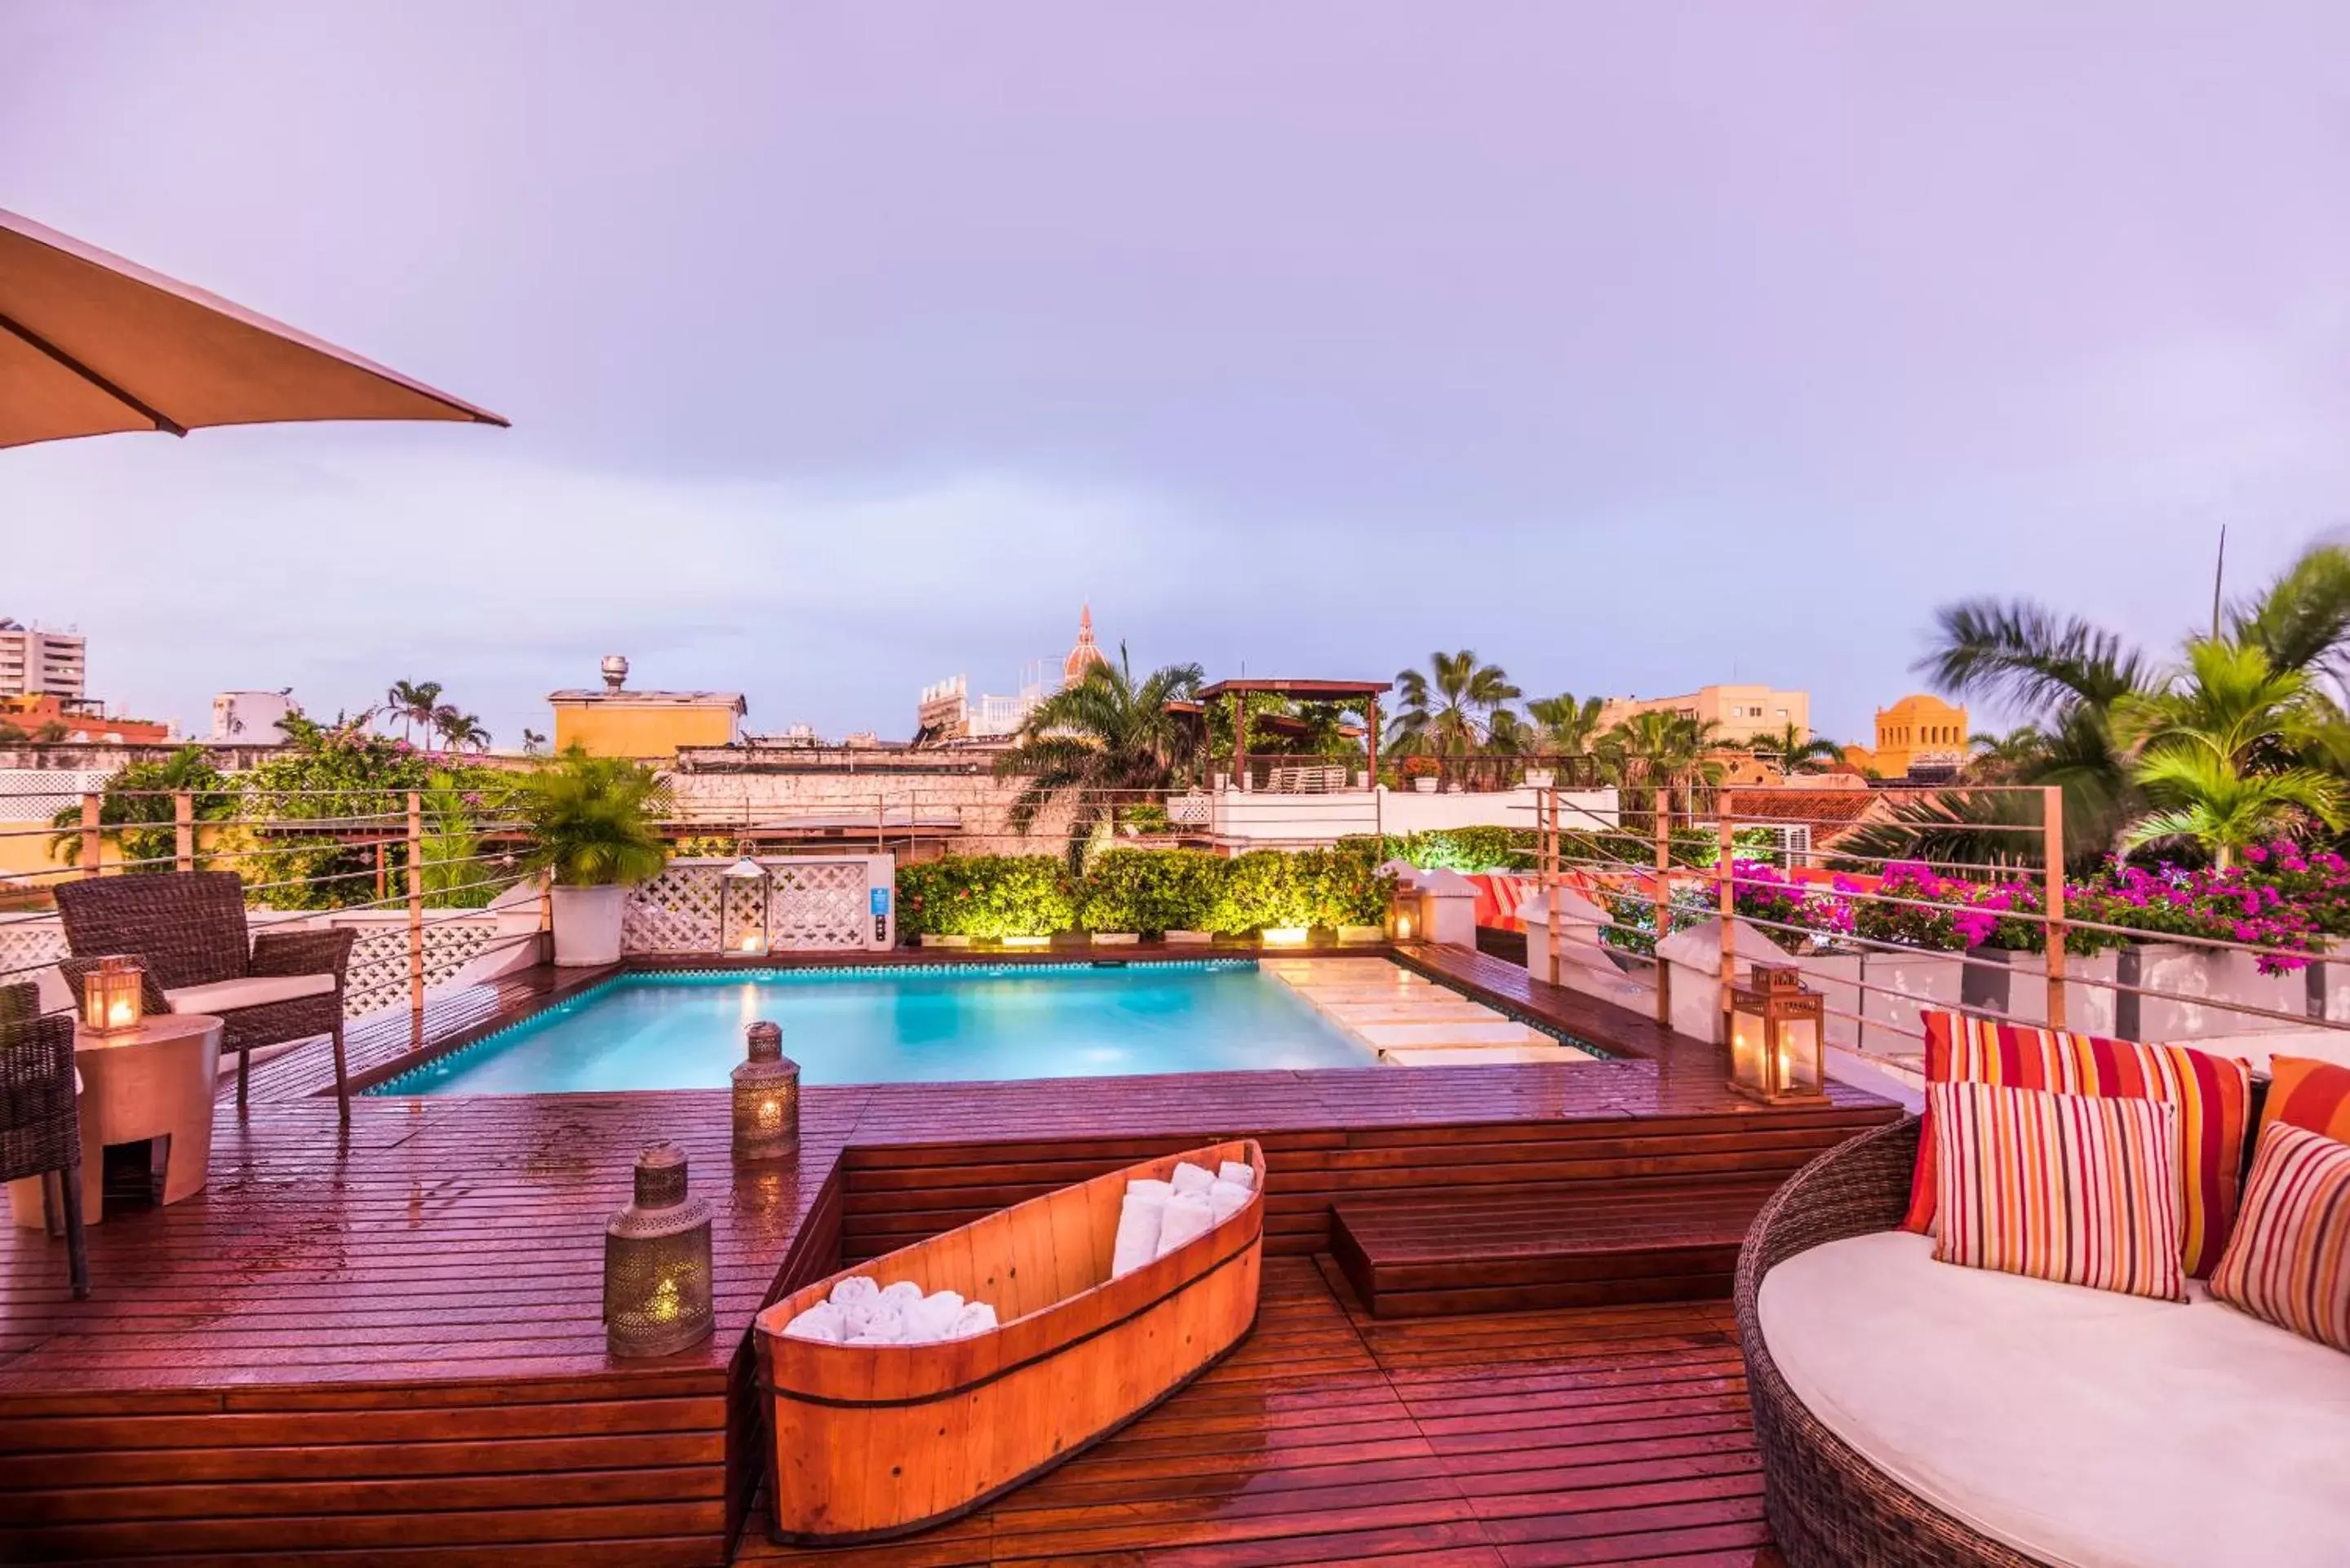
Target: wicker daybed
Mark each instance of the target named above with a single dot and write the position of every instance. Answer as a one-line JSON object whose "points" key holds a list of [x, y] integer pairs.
{"points": [[2078, 1425]]}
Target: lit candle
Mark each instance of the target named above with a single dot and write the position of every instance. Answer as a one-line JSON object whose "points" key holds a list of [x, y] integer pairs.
{"points": [[118, 1013], [750, 943], [664, 1303], [771, 1114]]}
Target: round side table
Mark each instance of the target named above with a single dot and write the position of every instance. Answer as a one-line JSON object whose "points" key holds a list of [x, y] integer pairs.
{"points": [[157, 1083]]}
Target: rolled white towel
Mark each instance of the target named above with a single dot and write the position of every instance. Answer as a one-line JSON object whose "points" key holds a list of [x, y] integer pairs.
{"points": [[1190, 1177], [857, 1287], [822, 1321], [930, 1320], [884, 1326], [976, 1318], [1226, 1198], [1240, 1176], [872, 1339], [1138, 1228], [1149, 1186], [905, 1293], [1188, 1217]]}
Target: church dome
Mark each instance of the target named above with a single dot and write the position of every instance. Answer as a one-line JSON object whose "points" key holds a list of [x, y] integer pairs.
{"points": [[1086, 655]]}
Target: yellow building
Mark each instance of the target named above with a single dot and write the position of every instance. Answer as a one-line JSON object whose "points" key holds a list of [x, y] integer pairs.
{"points": [[1918, 735], [647, 725], [1742, 714]]}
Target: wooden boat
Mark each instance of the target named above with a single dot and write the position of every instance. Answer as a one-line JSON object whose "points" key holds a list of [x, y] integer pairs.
{"points": [[867, 1442]]}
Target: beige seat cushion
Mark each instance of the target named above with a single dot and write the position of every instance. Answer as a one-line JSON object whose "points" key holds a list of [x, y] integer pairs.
{"points": [[2079, 1426], [253, 991]]}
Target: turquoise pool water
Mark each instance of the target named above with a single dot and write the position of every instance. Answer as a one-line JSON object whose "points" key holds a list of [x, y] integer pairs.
{"points": [[964, 1023]]}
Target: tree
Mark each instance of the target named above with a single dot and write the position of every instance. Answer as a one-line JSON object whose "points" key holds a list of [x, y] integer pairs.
{"points": [[533, 742], [1651, 754], [593, 821], [1449, 708], [1796, 749], [136, 811], [1102, 735], [413, 703], [2005, 758], [460, 730], [1561, 726]]}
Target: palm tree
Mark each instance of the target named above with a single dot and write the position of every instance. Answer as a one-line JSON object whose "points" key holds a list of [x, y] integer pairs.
{"points": [[1103, 733], [1795, 748], [459, 729], [1449, 708], [2302, 620], [1651, 754], [532, 741], [2222, 751], [1563, 727], [413, 703], [2002, 759]]}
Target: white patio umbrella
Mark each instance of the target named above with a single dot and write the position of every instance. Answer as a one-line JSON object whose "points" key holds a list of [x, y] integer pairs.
{"points": [[90, 343]]}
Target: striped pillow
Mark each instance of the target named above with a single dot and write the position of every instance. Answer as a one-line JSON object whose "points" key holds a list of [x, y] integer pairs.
{"points": [[2306, 1093], [2290, 1259], [2071, 1188], [2212, 1093]]}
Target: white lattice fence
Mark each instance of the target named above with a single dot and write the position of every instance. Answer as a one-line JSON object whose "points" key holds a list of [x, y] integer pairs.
{"points": [[814, 904], [818, 906], [677, 911], [29, 947]]}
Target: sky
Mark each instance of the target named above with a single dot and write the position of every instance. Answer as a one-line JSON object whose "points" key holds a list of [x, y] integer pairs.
{"points": [[850, 346]]}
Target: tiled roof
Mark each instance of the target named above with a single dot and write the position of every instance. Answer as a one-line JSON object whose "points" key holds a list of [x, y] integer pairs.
{"points": [[1824, 809]]}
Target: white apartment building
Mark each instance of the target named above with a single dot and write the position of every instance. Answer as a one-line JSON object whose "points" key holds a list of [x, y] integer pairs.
{"points": [[35, 662]]}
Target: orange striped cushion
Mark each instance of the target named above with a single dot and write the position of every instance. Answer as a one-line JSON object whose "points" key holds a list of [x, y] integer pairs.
{"points": [[2290, 1259], [2212, 1093], [2072, 1188], [2305, 1093]]}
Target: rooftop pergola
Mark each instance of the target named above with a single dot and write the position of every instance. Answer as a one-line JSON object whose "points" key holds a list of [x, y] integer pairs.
{"points": [[1367, 691]]}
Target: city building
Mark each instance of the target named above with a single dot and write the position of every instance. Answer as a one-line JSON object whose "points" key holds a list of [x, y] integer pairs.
{"points": [[1743, 714], [948, 712], [251, 717], [78, 720], [648, 725], [38, 663], [1919, 737]]}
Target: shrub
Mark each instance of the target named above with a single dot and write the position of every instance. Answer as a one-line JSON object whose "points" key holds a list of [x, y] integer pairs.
{"points": [[1466, 849], [1150, 891], [987, 895], [1342, 885], [1261, 888]]}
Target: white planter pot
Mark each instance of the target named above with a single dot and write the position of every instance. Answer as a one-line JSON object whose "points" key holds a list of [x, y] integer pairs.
{"points": [[1424, 785], [1836, 977], [1188, 939], [1360, 935], [2019, 989], [587, 925], [1892, 1024], [1114, 938], [2207, 978], [933, 940]]}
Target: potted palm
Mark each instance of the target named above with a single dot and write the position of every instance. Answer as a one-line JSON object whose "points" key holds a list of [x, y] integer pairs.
{"points": [[593, 824]]}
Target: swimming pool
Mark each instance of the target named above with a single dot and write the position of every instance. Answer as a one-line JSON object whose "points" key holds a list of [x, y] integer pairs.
{"points": [[918, 1024]]}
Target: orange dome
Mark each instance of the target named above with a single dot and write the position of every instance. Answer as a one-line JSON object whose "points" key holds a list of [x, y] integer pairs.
{"points": [[1086, 655]]}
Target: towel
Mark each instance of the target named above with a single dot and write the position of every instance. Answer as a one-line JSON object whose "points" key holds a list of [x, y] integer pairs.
{"points": [[904, 1293], [822, 1321], [1190, 1177], [1150, 1186], [1226, 1198], [976, 1318], [932, 1318], [1137, 1228], [883, 1328], [1240, 1176], [857, 1287], [1187, 1218]]}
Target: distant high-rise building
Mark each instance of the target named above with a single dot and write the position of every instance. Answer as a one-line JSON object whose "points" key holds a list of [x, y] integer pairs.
{"points": [[38, 663]]}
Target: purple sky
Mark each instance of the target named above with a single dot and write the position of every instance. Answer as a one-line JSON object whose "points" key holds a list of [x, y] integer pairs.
{"points": [[849, 347]]}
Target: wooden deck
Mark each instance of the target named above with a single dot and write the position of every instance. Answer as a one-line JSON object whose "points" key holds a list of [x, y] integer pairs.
{"points": [[387, 1339]]}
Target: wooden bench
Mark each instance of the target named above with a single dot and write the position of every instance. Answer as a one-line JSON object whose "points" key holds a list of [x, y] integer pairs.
{"points": [[1645, 1241]]}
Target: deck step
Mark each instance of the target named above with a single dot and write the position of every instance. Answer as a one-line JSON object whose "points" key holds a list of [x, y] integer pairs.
{"points": [[1644, 1241]]}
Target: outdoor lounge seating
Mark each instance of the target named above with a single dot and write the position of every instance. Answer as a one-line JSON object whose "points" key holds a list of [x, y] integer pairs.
{"points": [[40, 1136], [1912, 1411], [188, 928]]}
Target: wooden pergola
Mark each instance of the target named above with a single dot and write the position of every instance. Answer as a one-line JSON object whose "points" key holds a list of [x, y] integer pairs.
{"points": [[1309, 690]]}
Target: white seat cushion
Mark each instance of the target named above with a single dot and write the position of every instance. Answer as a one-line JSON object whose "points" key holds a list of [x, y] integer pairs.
{"points": [[253, 991], [2081, 1427]]}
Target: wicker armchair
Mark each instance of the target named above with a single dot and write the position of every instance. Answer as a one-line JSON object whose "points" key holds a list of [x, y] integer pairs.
{"points": [[40, 1129], [1828, 1506], [188, 928]]}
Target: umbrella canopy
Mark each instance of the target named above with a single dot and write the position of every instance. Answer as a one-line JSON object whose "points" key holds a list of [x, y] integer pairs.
{"points": [[90, 343]]}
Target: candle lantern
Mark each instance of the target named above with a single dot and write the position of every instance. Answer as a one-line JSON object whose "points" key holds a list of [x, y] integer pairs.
{"points": [[114, 996], [766, 1098], [1775, 1037], [657, 1261], [1403, 912], [743, 908]]}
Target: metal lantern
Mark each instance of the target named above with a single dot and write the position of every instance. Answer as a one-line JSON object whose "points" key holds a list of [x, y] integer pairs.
{"points": [[1403, 913], [657, 1261], [1776, 1038], [114, 996], [766, 1097], [743, 929]]}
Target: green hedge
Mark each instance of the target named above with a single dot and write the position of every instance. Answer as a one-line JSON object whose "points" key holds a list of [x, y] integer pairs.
{"points": [[986, 896], [1147, 890]]}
